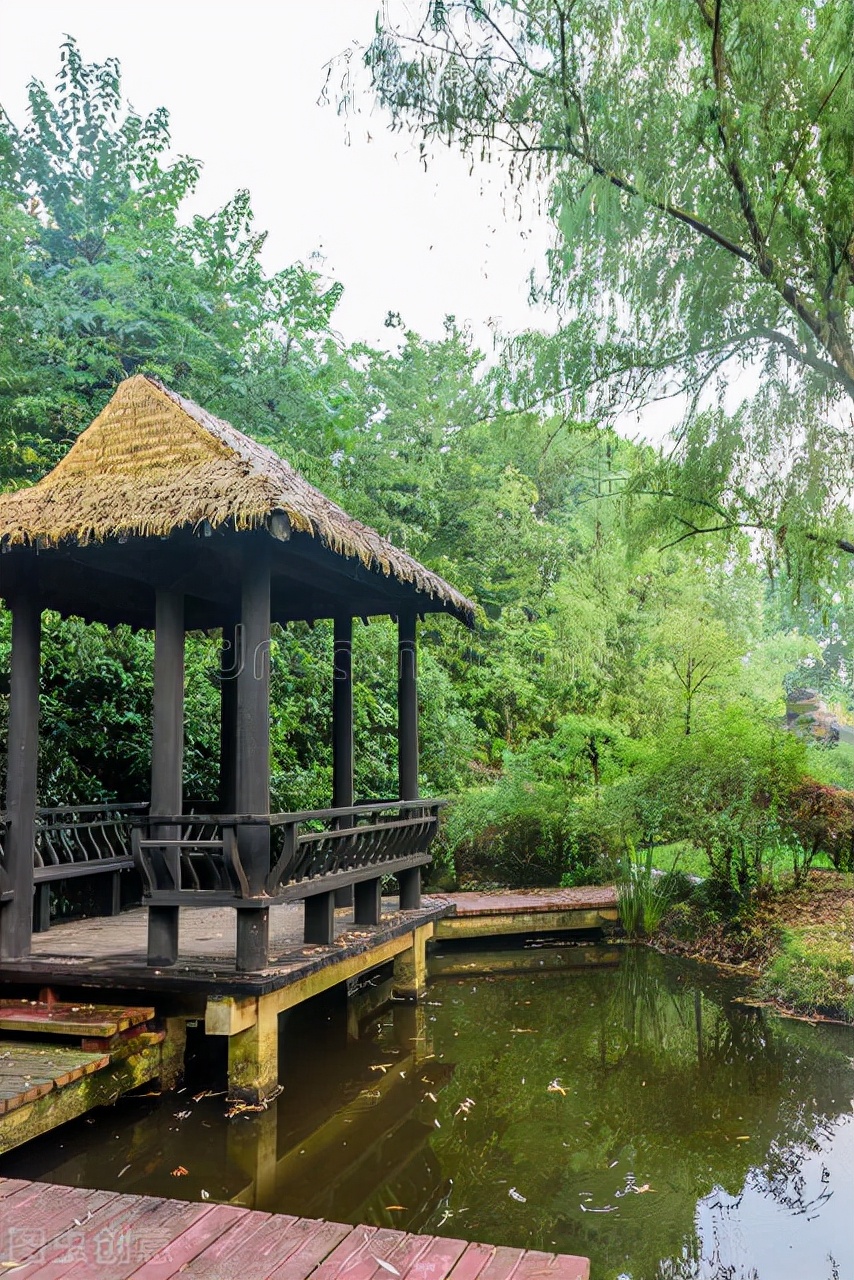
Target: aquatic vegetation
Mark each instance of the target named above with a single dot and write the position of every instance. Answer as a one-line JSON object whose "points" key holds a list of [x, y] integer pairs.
{"points": [[643, 895]]}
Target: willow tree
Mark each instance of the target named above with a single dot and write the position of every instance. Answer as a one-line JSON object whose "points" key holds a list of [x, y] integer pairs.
{"points": [[697, 157]]}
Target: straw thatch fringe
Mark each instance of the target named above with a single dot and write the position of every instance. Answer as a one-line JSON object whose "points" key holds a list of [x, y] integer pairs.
{"points": [[153, 462]]}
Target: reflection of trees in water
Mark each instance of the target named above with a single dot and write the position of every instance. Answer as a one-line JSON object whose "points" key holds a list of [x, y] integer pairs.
{"points": [[664, 1077]]}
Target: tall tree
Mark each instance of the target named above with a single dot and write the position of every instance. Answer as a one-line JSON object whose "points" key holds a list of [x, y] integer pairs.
{"points": [[106, 277], [698, 159]]}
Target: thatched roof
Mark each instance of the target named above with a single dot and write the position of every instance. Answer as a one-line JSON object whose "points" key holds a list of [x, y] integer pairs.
{"points": [[152, 463]]}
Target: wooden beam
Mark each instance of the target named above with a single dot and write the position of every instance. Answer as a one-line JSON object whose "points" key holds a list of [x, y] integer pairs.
{"points": [[319, 921], [407, 708], [167, 755], [252, 747], [229, 668], [409, 881], [367, 904], [16, 921], [342, 714], [342, 728]]}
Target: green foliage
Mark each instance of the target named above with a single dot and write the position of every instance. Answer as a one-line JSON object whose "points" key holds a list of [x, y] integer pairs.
{"points": [[643, 898], [696, 160], [613, 695]]}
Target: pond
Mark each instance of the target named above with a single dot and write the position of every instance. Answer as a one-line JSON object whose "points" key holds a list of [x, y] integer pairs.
{"points": [[627, 1109]]}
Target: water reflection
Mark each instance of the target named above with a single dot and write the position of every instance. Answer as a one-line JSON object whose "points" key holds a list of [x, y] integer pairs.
{"points": [[632, 1112]]}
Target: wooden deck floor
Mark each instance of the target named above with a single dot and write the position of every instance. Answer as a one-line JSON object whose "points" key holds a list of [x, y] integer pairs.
{"points": [[530, 911], [77, 1234], [499, 902], [109, 952]]}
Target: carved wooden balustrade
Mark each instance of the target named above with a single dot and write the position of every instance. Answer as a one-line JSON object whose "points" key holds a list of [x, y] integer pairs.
{"points": [[74, 841], [198, 862]]}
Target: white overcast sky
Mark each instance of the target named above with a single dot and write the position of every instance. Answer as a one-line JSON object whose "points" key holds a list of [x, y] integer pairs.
{"points": [[241, 79]]}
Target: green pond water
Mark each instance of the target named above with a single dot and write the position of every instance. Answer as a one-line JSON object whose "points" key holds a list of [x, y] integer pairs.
{"points": [[628, 1110]]}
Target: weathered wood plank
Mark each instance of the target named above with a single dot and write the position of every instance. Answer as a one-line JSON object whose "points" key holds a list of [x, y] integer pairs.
{"points": [[98, 1021], [254, 1235], [317, 1240], [72, 1233], [175, 1257], [62, 1240], [29, 1071]]}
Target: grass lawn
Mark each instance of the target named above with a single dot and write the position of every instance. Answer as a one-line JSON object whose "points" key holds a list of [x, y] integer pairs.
{"points": [[693, 861]]}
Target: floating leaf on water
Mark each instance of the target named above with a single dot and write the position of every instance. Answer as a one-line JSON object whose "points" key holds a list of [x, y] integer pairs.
{"points": [[395, 1208]]}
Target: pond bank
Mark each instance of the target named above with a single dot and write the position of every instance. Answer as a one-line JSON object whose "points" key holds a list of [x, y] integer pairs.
{"points": [[795, 941]]}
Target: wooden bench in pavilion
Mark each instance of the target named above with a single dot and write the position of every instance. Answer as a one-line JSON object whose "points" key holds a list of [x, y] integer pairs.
{"points": [[162, 516]]}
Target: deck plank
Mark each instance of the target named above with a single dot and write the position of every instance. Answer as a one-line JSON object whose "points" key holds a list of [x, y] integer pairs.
{"points": [[48, 1225], [504, 902], [174, 1258], [100, 1022], [74, 1233], [30, 1070], [317, 1240], [254, 1235]]}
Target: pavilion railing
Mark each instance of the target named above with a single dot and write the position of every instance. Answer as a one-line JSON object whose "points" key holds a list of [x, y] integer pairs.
{"points": [[84, 839], [79, 840], [310, 850]]}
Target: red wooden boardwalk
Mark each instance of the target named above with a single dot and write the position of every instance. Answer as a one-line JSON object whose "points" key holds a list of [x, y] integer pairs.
{"points": [[501, 902], [68, 1233]]}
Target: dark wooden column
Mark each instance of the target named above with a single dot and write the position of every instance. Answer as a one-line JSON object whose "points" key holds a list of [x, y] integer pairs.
{"points": [[167, 756], [230, 654], [16, 922], [407, 742], [253, 749], [342, 728], [342, 715]]}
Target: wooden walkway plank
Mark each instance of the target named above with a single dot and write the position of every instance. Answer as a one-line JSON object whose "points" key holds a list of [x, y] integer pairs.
{"points": [[319, 1241], [530, 1264], [86, 1244], [174, 1258], [63, 1019], [48, 1227], [369, 1252], [438, 1259], [472, 1262], [132, 1238], [72, 1233], [30, 1070], [255, 1235]]}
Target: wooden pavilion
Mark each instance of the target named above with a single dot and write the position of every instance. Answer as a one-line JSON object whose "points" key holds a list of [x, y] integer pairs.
{"points": [[162, 516]]}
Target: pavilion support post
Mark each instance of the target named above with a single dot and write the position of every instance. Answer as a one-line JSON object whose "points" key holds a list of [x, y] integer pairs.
{"points": [[367, 902], [409, 981], [319, 926], [409, 881], [252, 754], [16, 922], [167, 756], [230, 658], [253, 1052], [342, 729]]}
